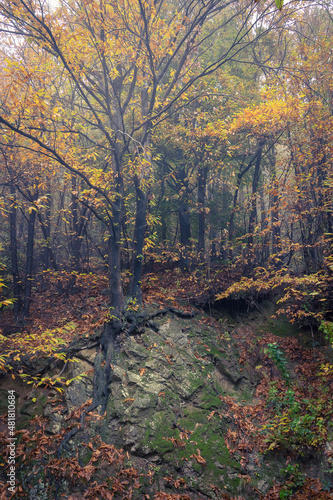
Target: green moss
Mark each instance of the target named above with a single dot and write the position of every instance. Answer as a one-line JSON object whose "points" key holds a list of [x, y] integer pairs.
{"points": [[110, 407], [280, 327], [204, 334], [207, 436], [209, 401], [208, 369], [86, 456], [171, 398], [195, 382], [215, 352], [158, 431]]}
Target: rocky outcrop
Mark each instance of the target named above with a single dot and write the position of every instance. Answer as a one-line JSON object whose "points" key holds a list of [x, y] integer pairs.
{"points": [[164, 401], [183, 397]]}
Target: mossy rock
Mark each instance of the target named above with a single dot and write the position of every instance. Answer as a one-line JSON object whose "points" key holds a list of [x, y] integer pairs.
{"points": [[165, 402]]}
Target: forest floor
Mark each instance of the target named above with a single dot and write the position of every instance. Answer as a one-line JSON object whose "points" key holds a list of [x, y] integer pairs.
{"points": [[72, 305], [59, 298]]}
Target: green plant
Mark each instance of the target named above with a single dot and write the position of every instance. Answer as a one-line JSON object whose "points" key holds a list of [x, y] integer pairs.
{"points": [[18, 349], [296, 425], [5, 302], [296, 479], [279, 359], [327, 328]]}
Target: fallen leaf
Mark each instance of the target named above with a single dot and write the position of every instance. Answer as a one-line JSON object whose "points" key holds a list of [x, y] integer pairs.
{"points": [[199, 458]]}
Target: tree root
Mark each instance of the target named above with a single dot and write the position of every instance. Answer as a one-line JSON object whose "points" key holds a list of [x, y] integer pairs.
{"points": [[131, 324]]}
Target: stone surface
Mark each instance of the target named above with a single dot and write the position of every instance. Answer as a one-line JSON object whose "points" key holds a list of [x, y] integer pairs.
{"points": [[165, 409], [164, 382], [80, 390], [164, 405]]}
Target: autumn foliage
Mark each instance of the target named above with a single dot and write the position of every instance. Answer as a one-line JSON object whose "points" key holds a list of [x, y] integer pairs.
{"points": [[167, 154]]}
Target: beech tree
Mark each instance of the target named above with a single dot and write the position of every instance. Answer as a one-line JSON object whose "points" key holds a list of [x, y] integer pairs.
{"points": [[23, 187], [190, 152], [297, 181], [123, 67]]}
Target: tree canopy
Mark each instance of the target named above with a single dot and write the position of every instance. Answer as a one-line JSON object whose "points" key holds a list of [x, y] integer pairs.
{"points": [[169, 157], [197, 130]]}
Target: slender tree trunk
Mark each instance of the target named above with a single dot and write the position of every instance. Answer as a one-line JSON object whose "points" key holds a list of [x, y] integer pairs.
{"points": [[253, 213], [29, 264], [264, 229], [75, 242], [202, 182], [184, 220], [213, 237], [274, 206], [48, 255], [276, 240], [46, 229], [17, 289], [255, 181], [115, 284], [185, 235], [135, 291], [234, 205], [232, 217]]}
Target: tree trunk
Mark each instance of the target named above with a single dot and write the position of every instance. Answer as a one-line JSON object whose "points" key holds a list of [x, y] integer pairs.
{"points": [[115, 284], [75, 242], [184, 220], [235, 201], [48, 255], [253, 213], [265, 239], [135, 291], [213, 238], [17, 289], [232, 218], [274, 201], [29, 264], [255, 181], [202, 182], [185, 235]]}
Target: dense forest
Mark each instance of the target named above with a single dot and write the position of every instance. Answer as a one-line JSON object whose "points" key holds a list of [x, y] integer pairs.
{"points": [[165, 157]]}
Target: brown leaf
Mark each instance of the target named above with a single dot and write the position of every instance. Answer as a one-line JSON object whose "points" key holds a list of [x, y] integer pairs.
{"points": [[199, 458]]}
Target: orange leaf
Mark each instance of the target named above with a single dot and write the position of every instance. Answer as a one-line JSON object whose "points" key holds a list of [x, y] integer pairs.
{"points": [[199, 458]]}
